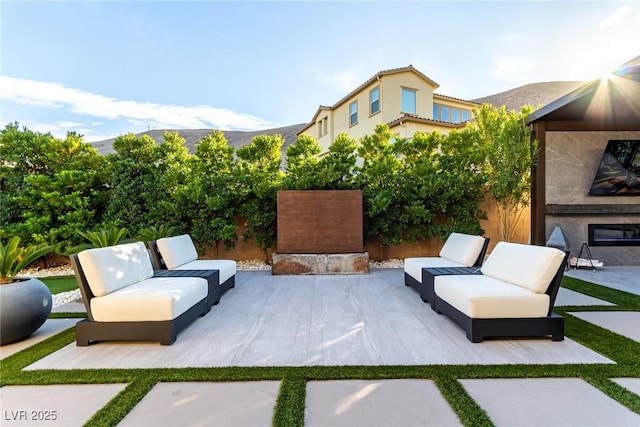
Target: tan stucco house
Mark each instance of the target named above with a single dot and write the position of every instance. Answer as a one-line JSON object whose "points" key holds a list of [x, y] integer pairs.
{"points": [[403, 98]]}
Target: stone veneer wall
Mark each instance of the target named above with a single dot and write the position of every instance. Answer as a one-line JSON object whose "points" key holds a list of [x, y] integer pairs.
{"points": [[572, 159]]}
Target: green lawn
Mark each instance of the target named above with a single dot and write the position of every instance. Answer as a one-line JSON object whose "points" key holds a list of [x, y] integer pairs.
{"points": [[60, 284], [290, 405]]}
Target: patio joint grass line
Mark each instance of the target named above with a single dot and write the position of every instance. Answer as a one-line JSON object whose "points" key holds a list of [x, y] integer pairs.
{"points": [[616, 391], [466, 408], [615, 296], [289, 409], [118, 407], [616, 347]]}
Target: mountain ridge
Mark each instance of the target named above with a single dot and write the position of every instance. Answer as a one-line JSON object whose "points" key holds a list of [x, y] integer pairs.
{"points": [[533, 94]]}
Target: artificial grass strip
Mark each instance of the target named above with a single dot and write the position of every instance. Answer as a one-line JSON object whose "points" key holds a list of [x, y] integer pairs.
{"points": [[616, 391], [118, 407], [624, 300], [290, 405], [616, 347], [467, 409], [11, 366]]}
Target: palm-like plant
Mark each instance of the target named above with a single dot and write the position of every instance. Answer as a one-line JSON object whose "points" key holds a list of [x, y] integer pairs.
{"points": [[14, 258], [106, 237], [109, 236]]}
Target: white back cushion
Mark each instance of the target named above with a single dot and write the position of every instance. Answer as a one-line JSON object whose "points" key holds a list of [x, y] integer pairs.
{"points": [[532, 267], [115, 267], [462, 248], [177, 250]]}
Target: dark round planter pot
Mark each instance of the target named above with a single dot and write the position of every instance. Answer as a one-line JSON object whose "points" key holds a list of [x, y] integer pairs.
{"points": [[24, 307]]}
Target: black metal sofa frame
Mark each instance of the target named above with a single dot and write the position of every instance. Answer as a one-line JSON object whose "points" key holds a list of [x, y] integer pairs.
{"points": [[166, 331], [425, 289], [215, 292], [479, 329]]}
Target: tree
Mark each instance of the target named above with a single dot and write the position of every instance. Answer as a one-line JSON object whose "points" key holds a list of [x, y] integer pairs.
{"points": [[337, 170], [382, 186], [209, 196], [144, 177], [510, 155], [52, 189], [260, 178], [302, 164]]}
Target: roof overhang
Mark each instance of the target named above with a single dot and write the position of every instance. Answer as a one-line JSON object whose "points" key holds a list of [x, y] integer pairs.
{"points": [[614, 99], [412, 118]]}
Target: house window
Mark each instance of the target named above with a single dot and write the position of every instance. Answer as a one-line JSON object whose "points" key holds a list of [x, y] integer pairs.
{"points": [[374, 101], [444, 113], [455, 115], [448, 114], [353, 113], [408, 101], [322, 127]]}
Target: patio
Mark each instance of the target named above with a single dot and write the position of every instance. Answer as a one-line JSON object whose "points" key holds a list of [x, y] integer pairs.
{"points": [[319, 320], [348, 321]]}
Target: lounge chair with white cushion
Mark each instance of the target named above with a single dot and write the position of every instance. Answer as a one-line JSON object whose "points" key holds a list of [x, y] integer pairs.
{"points": [[459, 250], [513, 297], [179, 253], [125, 302]]}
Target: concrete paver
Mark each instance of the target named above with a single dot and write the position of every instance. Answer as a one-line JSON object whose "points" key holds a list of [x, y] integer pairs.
{"points": [[567, 297], [49, 329], [548, 402], [631, 384], [377, 403], [53, 405], [625, 323], [206, 404]]}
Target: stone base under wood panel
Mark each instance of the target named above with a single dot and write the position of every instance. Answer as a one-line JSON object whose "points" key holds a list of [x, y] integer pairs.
{"points": [[353, 263]]}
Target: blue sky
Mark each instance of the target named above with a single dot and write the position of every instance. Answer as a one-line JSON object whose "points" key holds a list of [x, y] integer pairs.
{"points": [[108, 68]]}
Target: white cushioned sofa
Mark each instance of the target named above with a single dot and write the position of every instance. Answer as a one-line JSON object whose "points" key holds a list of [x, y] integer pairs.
{"points": [[179, 253], [125, 302], [514, 296], [459, 250]]}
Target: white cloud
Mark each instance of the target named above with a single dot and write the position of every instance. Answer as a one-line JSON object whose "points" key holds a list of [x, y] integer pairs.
{"points": [[615, 19], [55, 95], [68, 124]]}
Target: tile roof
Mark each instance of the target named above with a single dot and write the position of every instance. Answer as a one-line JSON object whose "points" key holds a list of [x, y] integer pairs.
{"points": [[417, 119]]}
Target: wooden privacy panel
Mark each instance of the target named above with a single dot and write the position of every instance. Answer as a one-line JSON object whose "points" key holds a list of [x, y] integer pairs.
{"points": [[320, 221]]}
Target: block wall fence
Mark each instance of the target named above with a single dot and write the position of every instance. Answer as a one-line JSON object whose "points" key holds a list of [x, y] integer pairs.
{"points": [[249, 251]]}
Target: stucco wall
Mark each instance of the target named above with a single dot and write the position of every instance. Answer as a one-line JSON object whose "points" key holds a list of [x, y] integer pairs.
{"points": [[572, 159]]}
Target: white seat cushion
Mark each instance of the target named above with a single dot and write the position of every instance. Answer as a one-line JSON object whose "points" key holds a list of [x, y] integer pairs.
{"points": [[462, 248], [115, 267], [177, 250], [414, 266], [483, 297], [225, 267], [155, 299], [528, 266]]}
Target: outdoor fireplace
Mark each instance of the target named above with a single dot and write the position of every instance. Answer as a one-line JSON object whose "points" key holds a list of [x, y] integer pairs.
{"points": [[614, 234]]}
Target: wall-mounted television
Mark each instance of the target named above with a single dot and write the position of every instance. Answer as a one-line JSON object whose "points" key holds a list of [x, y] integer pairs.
{"points": [[619, 170]]}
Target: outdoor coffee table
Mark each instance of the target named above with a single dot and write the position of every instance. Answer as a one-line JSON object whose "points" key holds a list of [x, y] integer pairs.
{"points": [[428, 277], [212, 276]]}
